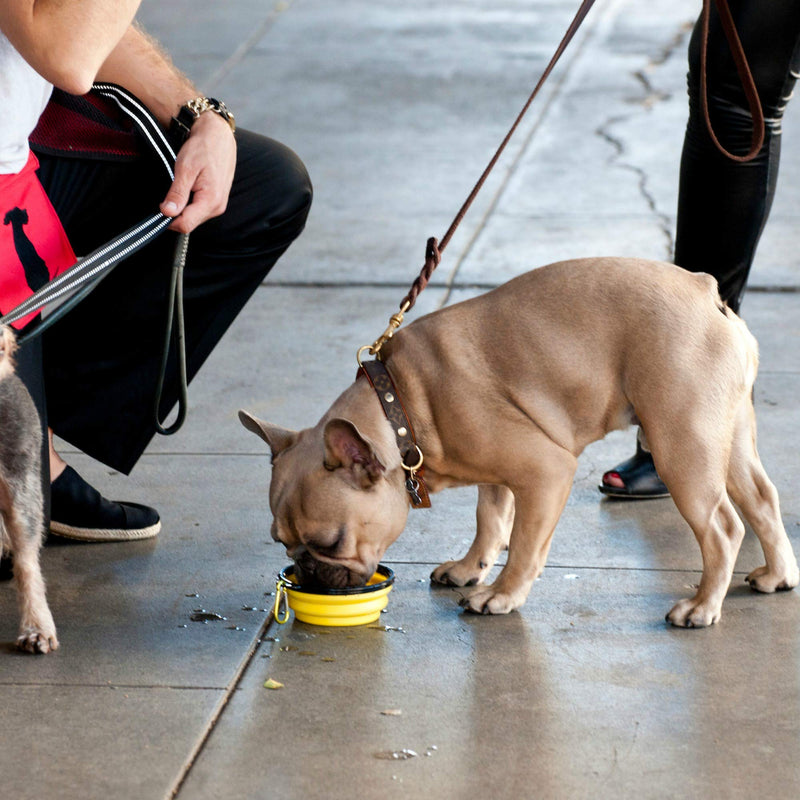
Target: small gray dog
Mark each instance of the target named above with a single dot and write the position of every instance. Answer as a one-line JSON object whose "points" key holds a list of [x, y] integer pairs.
{"points": [[21, 506]]}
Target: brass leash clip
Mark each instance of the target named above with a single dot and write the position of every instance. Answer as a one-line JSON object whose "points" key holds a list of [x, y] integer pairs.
{"points": [[395, 321]]}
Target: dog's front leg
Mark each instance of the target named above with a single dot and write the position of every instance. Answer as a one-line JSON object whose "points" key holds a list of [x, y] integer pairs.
{"points": [[495, 516], [537, 508], [37, 631]]}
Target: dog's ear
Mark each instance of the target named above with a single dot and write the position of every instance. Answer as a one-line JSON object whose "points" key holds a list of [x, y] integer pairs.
{"points": [[277, 438], [346, 447]]}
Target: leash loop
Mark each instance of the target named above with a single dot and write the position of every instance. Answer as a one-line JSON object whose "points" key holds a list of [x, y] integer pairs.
{"points": [[175, 329], [745, 77]]}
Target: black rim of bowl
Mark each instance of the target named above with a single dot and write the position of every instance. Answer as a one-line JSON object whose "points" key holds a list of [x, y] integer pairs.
{"points": [[381, 569]]}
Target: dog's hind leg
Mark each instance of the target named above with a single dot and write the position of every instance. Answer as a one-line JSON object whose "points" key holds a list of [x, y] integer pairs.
{"points": [[23, 524], [755, 495], [694, 468], [494, 516]]}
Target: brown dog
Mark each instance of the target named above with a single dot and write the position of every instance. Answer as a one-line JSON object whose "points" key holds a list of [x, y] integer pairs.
{"points": [[21, 506], [505, 391]]}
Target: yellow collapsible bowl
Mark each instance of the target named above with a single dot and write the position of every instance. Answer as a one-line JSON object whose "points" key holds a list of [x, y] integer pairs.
{"points": [[333, 607]]}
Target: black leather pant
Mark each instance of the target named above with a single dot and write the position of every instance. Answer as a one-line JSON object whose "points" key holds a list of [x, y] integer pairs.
{"points": [[100, 362], [723, 205]]}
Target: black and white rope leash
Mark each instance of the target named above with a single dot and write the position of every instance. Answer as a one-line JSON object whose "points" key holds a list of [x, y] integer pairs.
{"points": [[82, 278]]}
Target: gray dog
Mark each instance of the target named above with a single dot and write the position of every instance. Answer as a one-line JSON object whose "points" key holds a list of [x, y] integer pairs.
{"points": [[21, 507], [505, 391]]}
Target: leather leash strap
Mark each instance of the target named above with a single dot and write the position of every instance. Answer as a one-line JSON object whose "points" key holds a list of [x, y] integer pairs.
{"points": [[745, 77], [434, 248], [410, 453]]}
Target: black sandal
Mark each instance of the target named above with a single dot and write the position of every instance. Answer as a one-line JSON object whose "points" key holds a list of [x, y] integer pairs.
{"points": [[639, 477]]}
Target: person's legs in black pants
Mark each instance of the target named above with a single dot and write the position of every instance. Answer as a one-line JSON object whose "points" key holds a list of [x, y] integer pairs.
{"points": [[723, 204]]}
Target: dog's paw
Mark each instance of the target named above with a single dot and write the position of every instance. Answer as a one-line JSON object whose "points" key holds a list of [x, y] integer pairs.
{"points": [[489, 601], [37, 642], [460, 573], [762, 580], [690, 613]]}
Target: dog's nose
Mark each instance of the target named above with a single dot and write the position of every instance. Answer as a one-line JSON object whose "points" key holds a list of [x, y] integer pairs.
{"points": [[295, 552]]}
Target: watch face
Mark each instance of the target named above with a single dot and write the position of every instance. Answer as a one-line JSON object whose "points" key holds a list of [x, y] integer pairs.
{"points": [[219, 107]]}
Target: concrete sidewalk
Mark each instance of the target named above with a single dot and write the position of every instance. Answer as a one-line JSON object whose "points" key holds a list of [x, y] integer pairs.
{"points": [[396, 108]]}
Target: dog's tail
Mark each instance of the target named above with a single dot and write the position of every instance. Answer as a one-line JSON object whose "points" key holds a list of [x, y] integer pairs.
{"points": [[8, 344], [749, 348], [749, 345]]}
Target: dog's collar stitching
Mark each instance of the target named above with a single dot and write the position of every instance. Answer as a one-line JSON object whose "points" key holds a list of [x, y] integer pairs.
{"points": [[389, 398]]}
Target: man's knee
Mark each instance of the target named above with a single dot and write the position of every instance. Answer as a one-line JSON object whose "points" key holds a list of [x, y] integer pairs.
{"points": [[272, 188]]}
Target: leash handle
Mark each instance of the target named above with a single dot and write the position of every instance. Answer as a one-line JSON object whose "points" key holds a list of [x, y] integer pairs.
{"points": [[178, 332], [745, 76]]}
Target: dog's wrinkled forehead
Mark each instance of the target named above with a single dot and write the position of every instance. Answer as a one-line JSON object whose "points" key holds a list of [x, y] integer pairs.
{"points": [[315, 497]]}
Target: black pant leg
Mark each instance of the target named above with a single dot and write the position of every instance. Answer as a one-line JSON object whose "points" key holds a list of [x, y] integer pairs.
{"points": [[723, 205], [28, 366]]}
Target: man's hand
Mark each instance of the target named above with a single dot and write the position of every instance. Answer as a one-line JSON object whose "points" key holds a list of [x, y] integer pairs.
{"points": [[203, 174]]}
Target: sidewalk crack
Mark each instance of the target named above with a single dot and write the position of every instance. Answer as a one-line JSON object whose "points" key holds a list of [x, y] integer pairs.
{"points": [[650, 98], [219, 709]]}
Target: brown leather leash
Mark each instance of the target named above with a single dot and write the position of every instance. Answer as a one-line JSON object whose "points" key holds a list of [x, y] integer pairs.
{"points": [[376, 371], [745, 76]]}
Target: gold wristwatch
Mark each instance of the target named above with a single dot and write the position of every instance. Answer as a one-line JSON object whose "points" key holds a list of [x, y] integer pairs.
{"points": [[181, 125]]}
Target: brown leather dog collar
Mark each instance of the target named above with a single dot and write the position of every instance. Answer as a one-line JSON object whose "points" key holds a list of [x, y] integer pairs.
{"points": [[380, 380]]}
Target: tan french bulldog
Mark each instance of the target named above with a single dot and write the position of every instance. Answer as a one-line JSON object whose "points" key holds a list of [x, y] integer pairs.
{"points": [[505, 391]]}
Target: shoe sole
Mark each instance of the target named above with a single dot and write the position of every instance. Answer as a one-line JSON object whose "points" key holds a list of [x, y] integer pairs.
{"points": [[100, 535], [619, 494]]}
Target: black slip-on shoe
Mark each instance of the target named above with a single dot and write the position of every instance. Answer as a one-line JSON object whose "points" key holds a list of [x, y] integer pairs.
{"points": [[639, 477], [79, 511]]}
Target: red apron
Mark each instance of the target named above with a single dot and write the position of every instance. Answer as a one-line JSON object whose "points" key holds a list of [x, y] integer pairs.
{"points": [[33, 246]]}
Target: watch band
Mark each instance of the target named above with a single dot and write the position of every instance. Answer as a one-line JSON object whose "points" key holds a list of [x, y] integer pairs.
{"points": [[181, 125]]}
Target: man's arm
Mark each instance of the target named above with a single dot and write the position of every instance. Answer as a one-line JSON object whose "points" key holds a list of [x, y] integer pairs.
{"points": [[66, 41], [206, 162]]}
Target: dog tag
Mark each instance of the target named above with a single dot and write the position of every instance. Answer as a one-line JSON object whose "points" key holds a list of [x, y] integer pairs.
{"points": [[412, 485]]}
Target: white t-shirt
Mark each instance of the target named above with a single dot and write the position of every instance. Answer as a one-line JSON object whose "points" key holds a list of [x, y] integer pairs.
{"points": [[23, 95]]}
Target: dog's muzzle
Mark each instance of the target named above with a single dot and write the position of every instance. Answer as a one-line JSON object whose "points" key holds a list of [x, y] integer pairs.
{"points": [[310, 573]]}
